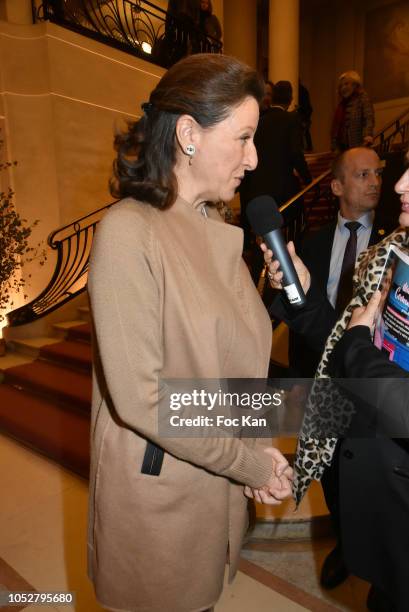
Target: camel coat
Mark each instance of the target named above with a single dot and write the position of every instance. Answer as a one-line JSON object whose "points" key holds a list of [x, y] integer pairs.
{"points": [[171, 298]]}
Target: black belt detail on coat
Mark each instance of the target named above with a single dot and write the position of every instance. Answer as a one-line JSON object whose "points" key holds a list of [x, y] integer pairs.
{"points": [[152, 459]]}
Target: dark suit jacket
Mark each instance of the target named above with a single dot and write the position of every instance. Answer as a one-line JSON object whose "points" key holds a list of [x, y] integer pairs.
{"points": [[279, 145], [374, 467], [316, 254]]}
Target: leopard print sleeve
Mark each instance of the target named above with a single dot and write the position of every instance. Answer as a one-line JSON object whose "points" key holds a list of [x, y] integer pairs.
{"points": [[314, 451]]}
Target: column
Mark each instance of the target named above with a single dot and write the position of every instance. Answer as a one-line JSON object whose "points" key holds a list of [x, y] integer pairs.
{"points": [[240, 30], [284, 37], [16, 11]]}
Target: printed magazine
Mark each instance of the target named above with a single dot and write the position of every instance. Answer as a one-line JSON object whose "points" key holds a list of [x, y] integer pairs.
{"points": [[391, 334]]}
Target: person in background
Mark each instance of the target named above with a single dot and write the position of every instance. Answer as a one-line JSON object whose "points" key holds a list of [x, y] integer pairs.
{"points": [[267, 101], [188, 11], [244, 222], [278, 141], [181, 29], [304, 109], [354, 119], [208, 22], [373, 461], [280, 153], [171, 298], [356, 182]]}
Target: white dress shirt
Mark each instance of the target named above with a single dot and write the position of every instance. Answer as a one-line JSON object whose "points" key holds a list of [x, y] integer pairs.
{"points": [[341, 237]]}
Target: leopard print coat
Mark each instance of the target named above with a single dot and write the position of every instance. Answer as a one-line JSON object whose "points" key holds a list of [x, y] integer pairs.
{"points": [[328, 414]]}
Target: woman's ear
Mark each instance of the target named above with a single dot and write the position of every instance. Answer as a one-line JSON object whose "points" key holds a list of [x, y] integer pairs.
{"points": [[187, 132]]}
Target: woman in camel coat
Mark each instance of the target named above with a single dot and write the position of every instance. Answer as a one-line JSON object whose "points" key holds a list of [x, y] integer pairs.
{"points": [[172, 298]]}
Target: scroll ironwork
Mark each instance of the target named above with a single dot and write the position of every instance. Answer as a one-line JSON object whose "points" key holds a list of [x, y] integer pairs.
{"points": [[135, 26]]}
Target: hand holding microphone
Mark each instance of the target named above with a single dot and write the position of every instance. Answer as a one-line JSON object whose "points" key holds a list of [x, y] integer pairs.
{"points": [[275, 275], [266, 220]]}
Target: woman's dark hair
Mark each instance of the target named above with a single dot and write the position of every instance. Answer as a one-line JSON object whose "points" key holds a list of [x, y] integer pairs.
{"points": [[205, 86]]}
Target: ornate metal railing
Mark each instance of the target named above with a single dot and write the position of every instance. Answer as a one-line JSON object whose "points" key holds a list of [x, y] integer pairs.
{"points": [[395, 132], [298, 210], [72, 243], [135, 26]]}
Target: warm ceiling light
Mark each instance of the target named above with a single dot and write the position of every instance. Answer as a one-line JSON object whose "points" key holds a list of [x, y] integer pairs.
{"points": [[146, 47]]}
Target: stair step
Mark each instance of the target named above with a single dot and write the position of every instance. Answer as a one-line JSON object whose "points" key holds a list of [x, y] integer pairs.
{"points": [[62, 435], [49, 380], [31, 346], [77, 355], [80, 332], [319, 163], [318, 204], [12, 359], [63, 328], [323, 160], [85, 313], [320, 154]]}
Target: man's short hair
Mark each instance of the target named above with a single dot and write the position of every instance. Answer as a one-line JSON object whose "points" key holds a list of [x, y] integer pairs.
{"points": [[338, 165], [282, 93]]}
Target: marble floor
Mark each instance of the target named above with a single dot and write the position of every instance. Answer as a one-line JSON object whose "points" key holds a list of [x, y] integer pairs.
{"points": [[43, 513]]}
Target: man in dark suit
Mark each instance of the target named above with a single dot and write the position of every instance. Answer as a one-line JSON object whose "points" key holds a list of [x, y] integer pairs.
{"points": [[357, 183], [279, 144]]}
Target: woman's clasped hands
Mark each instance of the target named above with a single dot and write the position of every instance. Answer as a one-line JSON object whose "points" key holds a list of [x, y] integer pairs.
{"points": [[278, 487]]}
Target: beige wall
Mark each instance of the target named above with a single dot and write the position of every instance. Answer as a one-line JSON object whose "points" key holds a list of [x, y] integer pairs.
{"points": [[62, 96], [16, 11], [332, 41]]}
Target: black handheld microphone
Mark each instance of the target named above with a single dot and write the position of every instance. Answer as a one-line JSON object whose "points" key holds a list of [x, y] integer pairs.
{"points": [[266, 220]]}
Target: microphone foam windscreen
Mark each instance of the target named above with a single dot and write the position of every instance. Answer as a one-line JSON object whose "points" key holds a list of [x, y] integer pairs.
{"points": [[263, 215]]}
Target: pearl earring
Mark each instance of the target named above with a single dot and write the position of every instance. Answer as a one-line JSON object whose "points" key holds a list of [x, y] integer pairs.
{"points": [[190, 150]]}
